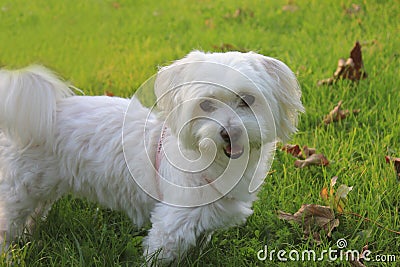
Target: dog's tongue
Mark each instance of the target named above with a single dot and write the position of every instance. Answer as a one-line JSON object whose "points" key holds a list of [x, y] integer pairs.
{"points": [[234, 151]]}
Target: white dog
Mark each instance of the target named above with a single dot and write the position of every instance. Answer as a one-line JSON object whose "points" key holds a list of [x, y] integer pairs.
{"points": [[192, 166]]}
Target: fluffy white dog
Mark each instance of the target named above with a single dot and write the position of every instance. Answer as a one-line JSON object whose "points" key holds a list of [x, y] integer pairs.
{"points": [[191, 166]]}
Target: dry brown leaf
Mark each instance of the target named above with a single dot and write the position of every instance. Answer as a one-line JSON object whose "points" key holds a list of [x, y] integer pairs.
{"points": [[332, 187], [108, 93], [333, 182], [209, 23], [354, 9], [116, 5], [313, 218], [307, 152], [352, 68], [341, 197], [324, 193], [357, 262], [337, 114], [357, 73], [334, 114], [396, 163], [306, 156], [314, 159], [327, 196], [294, 150], [337, 201], [239, 13], [290, 7]]}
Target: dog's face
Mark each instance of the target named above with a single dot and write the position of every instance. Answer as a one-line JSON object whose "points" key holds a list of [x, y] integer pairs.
{"points": [[223, 113], [226, 104]]}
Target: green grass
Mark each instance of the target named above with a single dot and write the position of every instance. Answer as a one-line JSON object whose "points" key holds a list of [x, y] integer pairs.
{"points": [[116, 45]]}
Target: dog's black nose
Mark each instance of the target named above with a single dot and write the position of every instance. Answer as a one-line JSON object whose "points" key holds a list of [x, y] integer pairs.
{"points": [[230, 134]]}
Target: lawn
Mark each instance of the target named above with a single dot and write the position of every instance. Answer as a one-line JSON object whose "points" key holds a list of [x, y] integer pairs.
{"points": [[114, 46]]}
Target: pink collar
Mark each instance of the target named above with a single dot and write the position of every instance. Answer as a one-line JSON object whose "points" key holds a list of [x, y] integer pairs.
{"points": [[158, 161], [159, 148]]}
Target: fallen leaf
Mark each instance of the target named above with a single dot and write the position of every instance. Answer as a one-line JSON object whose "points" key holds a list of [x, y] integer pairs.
{"points": [[337, 113], [357, 262], [327, 81], [352, 68], [116, 5], [354, 262], [108, 93], [354, 9], [343, 191], [239, 13], [209, 23], [313, 218], [306, 156], [341, 197], [334, 114], [357, 73], [307, 152], [333, 182], [332, 187], [290, 7], [294, 150], [336, 201], [314, 159], [324, 193], [396, 163]]}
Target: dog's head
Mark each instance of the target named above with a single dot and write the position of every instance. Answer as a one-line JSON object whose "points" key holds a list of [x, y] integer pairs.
{"points": [[230, 102]]}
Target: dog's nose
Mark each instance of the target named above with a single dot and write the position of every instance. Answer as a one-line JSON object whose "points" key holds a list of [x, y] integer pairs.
{"points": [[230, 134]]}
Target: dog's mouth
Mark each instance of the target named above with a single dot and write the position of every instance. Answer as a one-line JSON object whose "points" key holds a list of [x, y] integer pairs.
{"points": [[233, 151]]}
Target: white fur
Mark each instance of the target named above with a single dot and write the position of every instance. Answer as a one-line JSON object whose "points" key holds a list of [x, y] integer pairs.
{"points": [[53, 143]]}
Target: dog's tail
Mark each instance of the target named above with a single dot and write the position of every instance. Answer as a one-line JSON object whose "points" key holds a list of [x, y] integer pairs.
{"points": [[28, 99]]}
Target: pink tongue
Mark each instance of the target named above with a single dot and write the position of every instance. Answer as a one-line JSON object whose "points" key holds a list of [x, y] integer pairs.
{"points": [[235, 149]]}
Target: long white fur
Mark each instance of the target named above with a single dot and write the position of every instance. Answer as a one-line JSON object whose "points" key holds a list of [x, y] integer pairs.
{"points": [[28, 103], [53, 143]]}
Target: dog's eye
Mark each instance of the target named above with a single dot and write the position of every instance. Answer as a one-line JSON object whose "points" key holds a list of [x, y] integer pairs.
{"points": [[247, 100], [207, 105]]}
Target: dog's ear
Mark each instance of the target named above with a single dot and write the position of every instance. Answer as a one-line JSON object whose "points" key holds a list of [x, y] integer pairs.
{"points": [[287, 93], [171, 79], [172, 89], [166, 87]]}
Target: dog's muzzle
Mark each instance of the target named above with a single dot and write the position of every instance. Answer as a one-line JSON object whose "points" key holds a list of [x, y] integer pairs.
{"points": [[230, 135]]}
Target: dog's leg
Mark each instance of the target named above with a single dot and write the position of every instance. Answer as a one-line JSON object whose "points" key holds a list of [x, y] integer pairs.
{"points": [[175, 230], [3, 245], [40, 213], [11, 227], [15, 214]]}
